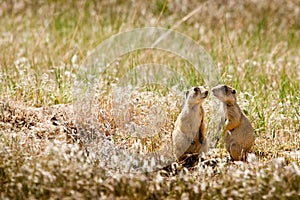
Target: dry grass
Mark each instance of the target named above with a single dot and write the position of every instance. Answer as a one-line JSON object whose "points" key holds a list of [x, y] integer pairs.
{"points": [[254, 44]]}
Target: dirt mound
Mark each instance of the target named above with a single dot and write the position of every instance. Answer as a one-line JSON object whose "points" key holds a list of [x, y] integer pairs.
{"points": [[53, 122]]}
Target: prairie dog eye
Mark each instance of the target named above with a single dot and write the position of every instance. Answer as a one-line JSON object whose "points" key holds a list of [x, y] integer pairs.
{"points": [[196, 89]]}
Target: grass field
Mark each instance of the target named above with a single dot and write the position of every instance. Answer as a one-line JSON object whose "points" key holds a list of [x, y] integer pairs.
{"points": [[254, 45]]}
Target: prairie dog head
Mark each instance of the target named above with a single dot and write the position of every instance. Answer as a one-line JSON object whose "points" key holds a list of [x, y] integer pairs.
{"points": [[196, 95], [225, 93]]}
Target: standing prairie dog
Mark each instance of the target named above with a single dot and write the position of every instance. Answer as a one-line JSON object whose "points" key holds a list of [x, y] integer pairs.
{"points": [[238, 131], [189, 135]]}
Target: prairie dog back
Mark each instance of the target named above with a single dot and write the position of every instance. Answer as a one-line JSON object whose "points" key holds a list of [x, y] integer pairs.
{"points": [[189, 135]]}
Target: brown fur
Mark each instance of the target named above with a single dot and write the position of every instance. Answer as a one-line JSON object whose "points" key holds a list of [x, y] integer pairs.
{"points": [[189, 135], [238, 131]]}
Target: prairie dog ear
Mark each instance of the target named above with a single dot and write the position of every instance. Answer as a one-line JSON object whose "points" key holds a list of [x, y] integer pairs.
{"points": [[226, 88], [233, 91], [187, 94]]}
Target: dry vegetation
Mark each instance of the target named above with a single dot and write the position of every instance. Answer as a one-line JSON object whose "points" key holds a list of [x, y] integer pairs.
{"points": [[254, 44]]}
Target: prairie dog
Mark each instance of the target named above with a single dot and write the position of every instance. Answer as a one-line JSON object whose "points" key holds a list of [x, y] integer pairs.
{"points": [[189, 135], [238, 131]]}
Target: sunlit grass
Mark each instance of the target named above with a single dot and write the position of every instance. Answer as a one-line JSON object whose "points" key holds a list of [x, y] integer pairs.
{"points": [[254, 44]]}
